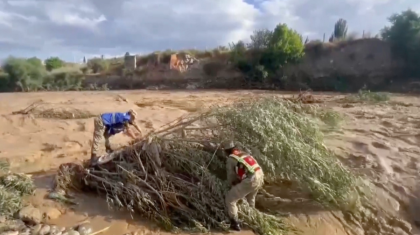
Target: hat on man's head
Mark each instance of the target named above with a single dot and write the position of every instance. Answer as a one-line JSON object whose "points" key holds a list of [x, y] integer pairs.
{"points": [[227, 144]]}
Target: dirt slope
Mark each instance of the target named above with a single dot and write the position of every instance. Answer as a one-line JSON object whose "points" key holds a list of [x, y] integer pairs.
{"points": [[381, 141]]}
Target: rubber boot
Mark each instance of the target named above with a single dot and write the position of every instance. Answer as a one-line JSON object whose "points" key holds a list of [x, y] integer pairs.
{"points": [[234, 225]]}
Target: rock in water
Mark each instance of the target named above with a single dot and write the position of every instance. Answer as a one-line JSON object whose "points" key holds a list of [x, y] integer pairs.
{"points": [[45, 230], [55, 195], [36, 229], [30, 215], [84, 229], [54, 230]]}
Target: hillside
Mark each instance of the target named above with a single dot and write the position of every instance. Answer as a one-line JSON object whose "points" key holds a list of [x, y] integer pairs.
{"points": [[344, 65]]}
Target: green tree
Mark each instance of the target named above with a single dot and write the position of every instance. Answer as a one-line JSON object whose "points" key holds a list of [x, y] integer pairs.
{"points": [[35, 61], [53, 63], [23, 75], [260, 39], [404, 35], [238, 56], [284, 47], [340, 29], [237, 51], [64, 80]]}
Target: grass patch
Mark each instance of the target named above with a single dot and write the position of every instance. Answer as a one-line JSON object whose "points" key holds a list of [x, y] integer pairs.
{"points": [[367, 96], [188, 191], [13, 187]]}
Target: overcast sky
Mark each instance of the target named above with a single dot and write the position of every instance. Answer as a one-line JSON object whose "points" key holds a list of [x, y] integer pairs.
{"points": [[71, 29]]}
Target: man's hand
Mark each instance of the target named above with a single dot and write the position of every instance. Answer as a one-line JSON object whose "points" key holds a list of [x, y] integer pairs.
{"points": [[140, 133]]}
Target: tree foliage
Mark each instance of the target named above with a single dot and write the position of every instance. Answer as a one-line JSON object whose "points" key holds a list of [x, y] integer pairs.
{"points": [[35, 61], [53, 63], [340, 29], [267, 53], [285, 46], [260, 39], [97, 65], [31, 75], [404, 35], [23, 74]]}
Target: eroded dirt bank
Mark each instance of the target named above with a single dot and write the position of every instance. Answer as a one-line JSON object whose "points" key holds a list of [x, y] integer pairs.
{"points": [[378, 140]]}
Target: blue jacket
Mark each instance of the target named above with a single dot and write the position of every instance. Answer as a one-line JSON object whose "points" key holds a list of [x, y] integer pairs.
{"points": [[115, 122]]}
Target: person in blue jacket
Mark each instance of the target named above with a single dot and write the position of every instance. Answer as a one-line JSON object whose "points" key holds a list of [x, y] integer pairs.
{"points": [[109, 124]]}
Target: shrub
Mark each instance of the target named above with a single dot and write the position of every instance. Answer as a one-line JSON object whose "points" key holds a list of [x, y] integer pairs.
{"points": [[365, 95], [267, 53], [35, 61], [97, 65], [404, 34], [84, 70], [13, 187], [260, 39], [53, 63], [64, 79], [23, 74], [212, 68], [285, 47]]}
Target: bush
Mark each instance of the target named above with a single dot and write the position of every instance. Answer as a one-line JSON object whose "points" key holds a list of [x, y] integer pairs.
{"points": [[267, 53], [4, 81], [13, 187], [35, 61], [23, 74], [84, 70], [260, 39], [365, 95], [64, 79], [212, 68], [53, 63], [97, 65], [285, 47], [404, 34]]}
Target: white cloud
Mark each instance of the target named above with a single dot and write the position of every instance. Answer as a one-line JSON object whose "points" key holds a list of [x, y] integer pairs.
{"points": [[72, 29]]}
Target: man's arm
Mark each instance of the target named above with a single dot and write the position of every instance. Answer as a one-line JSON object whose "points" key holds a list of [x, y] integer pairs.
{"points": [[137, 127], [128, 131]]}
